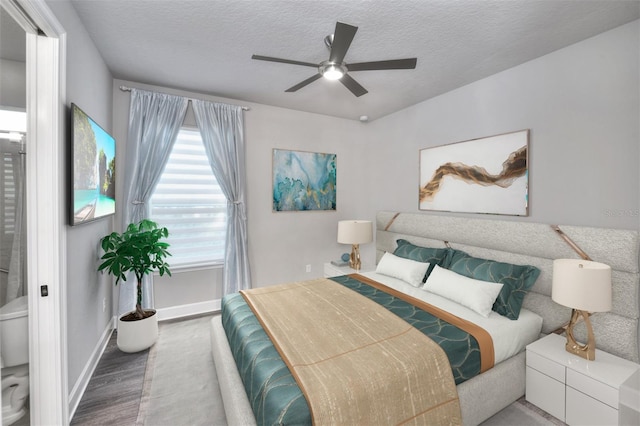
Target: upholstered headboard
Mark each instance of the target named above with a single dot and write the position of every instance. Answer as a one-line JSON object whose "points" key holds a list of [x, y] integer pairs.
{"points": [[538, 244]]}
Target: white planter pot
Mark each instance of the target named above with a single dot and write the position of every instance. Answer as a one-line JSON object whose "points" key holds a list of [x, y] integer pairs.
{"points": [[136, 336]]}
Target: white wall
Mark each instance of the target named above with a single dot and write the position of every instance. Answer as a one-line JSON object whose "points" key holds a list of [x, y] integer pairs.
{"points": [[283, 243], [13, 84], [88, 84], [582, 106]]}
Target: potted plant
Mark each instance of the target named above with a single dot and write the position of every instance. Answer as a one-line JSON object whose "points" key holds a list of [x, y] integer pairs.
{"points": [[139, 249]]}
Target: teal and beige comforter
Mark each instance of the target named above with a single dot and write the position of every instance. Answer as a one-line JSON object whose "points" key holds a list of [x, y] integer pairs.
{"points": [[275, 395]]}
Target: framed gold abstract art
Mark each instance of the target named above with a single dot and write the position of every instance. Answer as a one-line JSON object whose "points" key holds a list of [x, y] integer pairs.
{"points": [[487, 175]]}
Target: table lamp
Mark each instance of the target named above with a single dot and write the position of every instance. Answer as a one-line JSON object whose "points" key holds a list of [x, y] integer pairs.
{"points": [[355, 232], [584, 286]]}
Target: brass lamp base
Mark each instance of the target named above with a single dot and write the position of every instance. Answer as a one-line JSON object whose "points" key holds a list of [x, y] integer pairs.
{"points": [[587, 351], [354, 258]]}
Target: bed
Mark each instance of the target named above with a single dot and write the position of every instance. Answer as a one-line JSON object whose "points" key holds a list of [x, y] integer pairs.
{"points": [[519, 243]]}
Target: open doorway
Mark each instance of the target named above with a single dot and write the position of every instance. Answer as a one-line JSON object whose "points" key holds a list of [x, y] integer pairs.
{"points": [[43, 239], [14, 323]]}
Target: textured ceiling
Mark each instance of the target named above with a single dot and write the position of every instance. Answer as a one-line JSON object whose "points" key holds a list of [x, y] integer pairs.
{"points": [[206, 46]]}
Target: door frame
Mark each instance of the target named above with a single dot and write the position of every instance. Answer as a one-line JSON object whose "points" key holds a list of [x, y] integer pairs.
{"points": [[46, 233]]}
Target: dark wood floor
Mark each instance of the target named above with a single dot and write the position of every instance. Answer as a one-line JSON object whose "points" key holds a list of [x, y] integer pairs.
{"points": [[115, 389]]}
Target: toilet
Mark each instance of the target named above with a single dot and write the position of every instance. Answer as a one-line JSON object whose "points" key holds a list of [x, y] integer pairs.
{"points": [[14, 357]]}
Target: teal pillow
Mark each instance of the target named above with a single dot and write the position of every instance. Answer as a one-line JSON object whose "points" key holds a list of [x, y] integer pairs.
{"points": [[434, 256], [517, 279]]}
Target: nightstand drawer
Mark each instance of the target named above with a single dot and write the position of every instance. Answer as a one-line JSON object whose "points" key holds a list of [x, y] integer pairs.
{"points": [[584, 410], [546, 366], [545, 392], [593, 388]]}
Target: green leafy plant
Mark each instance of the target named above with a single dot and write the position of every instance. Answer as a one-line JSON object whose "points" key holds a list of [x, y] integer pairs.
{"points": [[140, 250]]}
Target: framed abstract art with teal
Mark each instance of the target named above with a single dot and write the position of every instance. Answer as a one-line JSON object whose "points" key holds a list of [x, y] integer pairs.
{"points": [[303, 181]]}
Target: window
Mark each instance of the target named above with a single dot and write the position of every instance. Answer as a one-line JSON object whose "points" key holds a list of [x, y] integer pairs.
{"points": [[190, 203]]}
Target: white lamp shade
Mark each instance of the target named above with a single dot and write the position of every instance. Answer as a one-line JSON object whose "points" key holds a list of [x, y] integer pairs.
{"points": [[582, 284], [355, 231]]}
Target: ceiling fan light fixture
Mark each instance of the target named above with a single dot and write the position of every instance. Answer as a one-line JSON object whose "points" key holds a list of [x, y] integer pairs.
{"points": [[332, 71]]}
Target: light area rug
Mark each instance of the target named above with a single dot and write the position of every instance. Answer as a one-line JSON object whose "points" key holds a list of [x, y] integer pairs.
{"points": [[181, 387]]}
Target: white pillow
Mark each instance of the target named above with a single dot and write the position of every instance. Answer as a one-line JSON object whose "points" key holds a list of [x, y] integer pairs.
{"points": [[407, 270], [476, 295]]}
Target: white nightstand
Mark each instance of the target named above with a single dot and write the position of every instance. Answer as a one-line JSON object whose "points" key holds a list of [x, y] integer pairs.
{"points": [[331, 270], [572, 389], [630, 400]]}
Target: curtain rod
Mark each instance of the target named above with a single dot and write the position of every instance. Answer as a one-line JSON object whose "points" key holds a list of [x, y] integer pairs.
{"points": [[128, 89]]}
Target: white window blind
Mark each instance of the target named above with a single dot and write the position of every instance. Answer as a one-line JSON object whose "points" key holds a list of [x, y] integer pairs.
{"points": [[8, 213], [189, 202], [8, 192]]}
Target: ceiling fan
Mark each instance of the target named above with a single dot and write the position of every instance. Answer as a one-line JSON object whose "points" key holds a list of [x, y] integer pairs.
{"points": [[335, 68]]}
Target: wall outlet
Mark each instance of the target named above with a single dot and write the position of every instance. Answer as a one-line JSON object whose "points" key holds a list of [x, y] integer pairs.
{"points": [[308, 268], [104, 304]]}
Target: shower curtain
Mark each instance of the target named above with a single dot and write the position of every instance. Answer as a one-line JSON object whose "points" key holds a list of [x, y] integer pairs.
{"points": [[15, 283]]}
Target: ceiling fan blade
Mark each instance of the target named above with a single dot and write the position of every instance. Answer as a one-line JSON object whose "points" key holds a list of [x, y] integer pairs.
{"points": [[353, 85], [342, 38], [393, 64], [304, 83], [284, 61]]}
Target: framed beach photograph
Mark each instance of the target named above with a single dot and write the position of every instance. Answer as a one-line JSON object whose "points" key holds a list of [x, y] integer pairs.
{"points": [[303, 181], [93, 170], [487, 175]]}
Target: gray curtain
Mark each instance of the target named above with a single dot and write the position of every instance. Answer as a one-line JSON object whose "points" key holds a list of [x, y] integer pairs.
{"points": [[222, 129], [154, 122]]}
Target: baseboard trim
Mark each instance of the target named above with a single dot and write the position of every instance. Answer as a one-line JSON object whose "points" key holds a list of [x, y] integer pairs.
{"points": [[83, 381], [173, 312]]}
